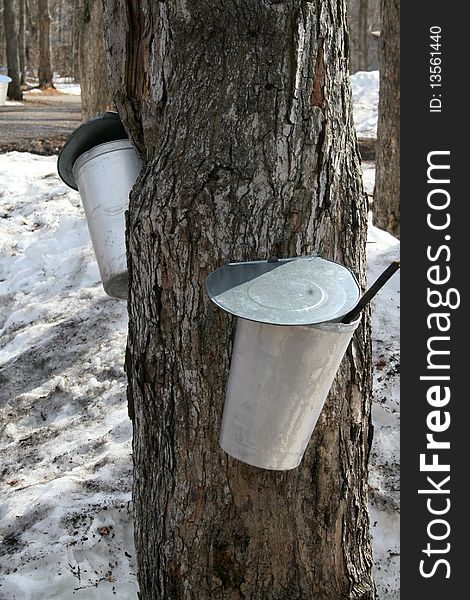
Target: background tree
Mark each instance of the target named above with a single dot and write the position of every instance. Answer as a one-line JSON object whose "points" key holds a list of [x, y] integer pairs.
{"points": [[363, 46], [11, 38], [32, 44], [386, 208], [364, 19], [22, 41], [45, 72], [96, 97], [62, 26], [242, 114], [66, 16]]}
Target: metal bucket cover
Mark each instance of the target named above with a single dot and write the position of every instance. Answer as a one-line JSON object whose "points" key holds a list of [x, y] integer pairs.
{"points": [[99, 130], [290, 291]]}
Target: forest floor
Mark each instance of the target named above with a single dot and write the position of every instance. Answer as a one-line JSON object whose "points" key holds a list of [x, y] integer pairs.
{"points": [[41, 123]]}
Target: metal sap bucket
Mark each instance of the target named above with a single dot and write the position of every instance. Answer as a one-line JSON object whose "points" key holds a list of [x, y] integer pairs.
{"points": [[105, 176], [279, 380], [100, 161], [288, 347], [4, 82]]}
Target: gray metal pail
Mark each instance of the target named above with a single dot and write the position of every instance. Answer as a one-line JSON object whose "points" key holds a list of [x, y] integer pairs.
{"points": [[279, 379], [105, 176]]}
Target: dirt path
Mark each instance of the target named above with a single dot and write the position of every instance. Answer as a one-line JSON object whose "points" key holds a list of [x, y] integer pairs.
{"points": [[41, 124]]}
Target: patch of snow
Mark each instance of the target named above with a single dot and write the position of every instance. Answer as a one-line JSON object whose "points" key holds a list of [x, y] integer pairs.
{"points": [[365, 94], [368, 177], [65, 442], [384, 476], [63, 84], [68, 88]]}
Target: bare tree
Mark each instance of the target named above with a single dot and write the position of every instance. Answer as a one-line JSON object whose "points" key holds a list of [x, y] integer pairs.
{"points": [[386, 209], [11, 37], [363, 46], [363, 18], [32, 45], [242, 114], [22, 41], [96, 97], [45, 72]]}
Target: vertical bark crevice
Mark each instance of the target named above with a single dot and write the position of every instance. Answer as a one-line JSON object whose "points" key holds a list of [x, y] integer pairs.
{"points": [[318, 97]]}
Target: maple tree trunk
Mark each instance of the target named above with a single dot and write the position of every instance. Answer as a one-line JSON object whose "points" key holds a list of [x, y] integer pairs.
{"points": [[11, 42], [363, 50], [95, 94], [45, 72], [242, 115], [22, 42]]}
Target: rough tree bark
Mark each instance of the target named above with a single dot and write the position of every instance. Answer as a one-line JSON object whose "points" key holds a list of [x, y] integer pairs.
{"points": [[386, 208], [363, 49], [363, 17], [11, 38], [45, 72], [32, 37], [242, 114], [95, 94], [22, 42]]}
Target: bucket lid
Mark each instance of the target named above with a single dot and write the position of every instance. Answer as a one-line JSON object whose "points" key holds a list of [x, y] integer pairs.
{"points": [[99, 130], [99, 150], [5, 79], [289, 291]]}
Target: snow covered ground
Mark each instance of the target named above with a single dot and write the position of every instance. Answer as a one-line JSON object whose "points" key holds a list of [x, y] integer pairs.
{"points": [[65, 438], [66, 87], [64, 84], [365, 93], [384, 479]]}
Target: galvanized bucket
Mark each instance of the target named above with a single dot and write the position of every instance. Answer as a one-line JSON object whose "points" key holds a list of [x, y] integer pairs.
{"points": [[105, 176], [279, 380], [288, 347], [4, 81]]}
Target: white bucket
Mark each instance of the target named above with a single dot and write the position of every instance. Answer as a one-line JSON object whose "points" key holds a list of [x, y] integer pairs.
{"points": [[279, 379], [105, 176]]}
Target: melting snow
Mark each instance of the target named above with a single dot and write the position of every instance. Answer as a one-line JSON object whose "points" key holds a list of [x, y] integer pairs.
{"points": [[66, 515]]}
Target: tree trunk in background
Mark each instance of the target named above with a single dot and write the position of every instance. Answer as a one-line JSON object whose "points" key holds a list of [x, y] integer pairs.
{"points": [[96, 97], [363, 50], [76, 40], [386, 208], [45, 73], [32, 37], [22, 42], [11, 37], [242, 114], [2, 46], [363, 18]]}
